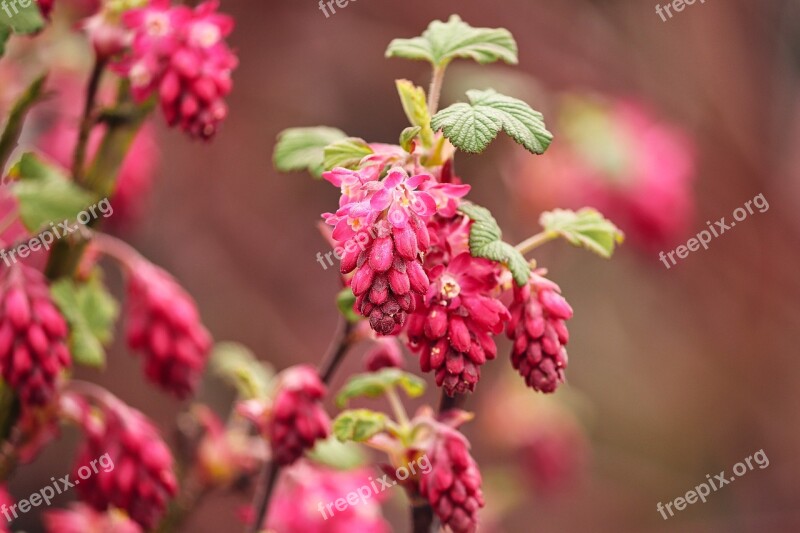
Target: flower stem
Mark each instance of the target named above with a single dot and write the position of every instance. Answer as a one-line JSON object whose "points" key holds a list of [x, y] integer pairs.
{"points": [[422, 518], [535, 241], [87, 120], [397, 408], [435, 90]]}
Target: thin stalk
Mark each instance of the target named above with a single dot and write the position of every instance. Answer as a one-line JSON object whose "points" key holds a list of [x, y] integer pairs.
{"points": [[435, 90], [535, 241], [397, 407], [87, 120]]}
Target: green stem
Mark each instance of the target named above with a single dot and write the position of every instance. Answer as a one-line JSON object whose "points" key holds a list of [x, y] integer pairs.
{"points": [[397, 407], [87, 120], [16, 119], [535, 241], [435, 90]]}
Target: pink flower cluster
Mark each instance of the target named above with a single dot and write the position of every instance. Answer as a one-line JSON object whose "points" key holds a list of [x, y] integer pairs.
{"points": [[181, 54]]}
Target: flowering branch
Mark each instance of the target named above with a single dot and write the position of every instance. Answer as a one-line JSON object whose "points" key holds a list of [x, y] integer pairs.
{"points": [[87, 119]]}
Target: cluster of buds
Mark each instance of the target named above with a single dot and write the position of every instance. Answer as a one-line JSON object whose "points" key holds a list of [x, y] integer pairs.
{"points": [[297, 419], [138, 473], [539, 333], [453, 485], [33, 336], [388, 269], [181, 54], [454, 326], [163, 324]]}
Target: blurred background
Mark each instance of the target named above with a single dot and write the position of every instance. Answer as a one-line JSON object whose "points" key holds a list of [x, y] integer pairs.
{"points": [[663, 125]]}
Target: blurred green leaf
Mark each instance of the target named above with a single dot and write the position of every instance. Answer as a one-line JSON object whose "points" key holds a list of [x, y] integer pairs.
{"points": [[587, 228], [415, 106], [22, 20], [303, 148], [407, 138], [45, 194], [90, 311], [337, 454], [345, 153], [237, 365], [358, 425], [375, 384], [345, 301]]}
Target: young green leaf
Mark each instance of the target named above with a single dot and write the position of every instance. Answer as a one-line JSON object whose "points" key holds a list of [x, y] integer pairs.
{"points": [[375, 384], [45, 194], [345, 301], [336, 454], [407, 137], [21, 19], [444, 41], [358, 425], [90, 312], [485, 240], [302, 148], [415, 106], [471, 127], [16, 117], [587, 227], [237, 365], [5, 33], [345, 153]]}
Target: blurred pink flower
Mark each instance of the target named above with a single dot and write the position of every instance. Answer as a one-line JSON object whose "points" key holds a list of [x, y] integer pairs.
{"points": [[619, 158], [295, 507], [80, 518]]}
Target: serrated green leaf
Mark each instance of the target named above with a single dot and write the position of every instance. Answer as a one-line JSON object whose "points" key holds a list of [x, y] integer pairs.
{"points": [[303, 148], [485, 240], [358, 425], [337, 454], [415, 106], [471, 127], [407, 138], [90, 311], [444, 41], [22, 20], [45, 194], [345, 153], [375, 384], [237, 365], [345, 301], [587, 228]]}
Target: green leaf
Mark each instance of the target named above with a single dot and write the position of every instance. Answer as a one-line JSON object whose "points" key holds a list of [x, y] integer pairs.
{"points": [[22, 20], [345, 153], [407, 138], [358, 425], [375, 384], [90, 312], [471, 127], [5, 33], [415, 106], [345, 301], [587, 228], [444, 41], [302, 148], [485, 240], [337, 454], [16, 118], [237, 365], [45, 194]]}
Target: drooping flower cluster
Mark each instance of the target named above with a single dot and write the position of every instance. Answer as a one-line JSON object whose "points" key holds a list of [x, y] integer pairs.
{"points": [[388, 268], [164, 325], [136, 471], [297, 419], [33, 335], [81, 518], [453, 486], [539, 333], [454, 326], [181, 54]]}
